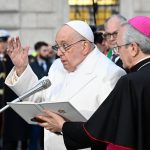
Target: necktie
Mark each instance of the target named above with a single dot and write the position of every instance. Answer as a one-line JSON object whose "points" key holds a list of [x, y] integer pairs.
{"points": [[114, 57], [44, 66]]}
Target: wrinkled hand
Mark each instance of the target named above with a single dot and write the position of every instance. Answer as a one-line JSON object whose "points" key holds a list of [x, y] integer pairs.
{"points": [[18, 54], [51, 121]]}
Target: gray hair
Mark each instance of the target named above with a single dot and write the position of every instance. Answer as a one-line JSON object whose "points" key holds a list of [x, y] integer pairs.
{"points": [[132, 35], [120, 18]]}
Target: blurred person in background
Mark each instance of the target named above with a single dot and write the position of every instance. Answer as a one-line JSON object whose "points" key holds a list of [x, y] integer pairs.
{"points": [[52, 54], [111, 26], [4, 35], [43, 59], [14, 128], [32, 56], [100, 40]]}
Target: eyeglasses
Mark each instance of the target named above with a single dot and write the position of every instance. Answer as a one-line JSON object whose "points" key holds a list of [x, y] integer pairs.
{"points": [[108, 35], [65, 47], [116, 48]]}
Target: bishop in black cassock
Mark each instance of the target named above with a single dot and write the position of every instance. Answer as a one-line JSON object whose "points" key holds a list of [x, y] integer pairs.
{"points": [[123, 119], [122, 122]]}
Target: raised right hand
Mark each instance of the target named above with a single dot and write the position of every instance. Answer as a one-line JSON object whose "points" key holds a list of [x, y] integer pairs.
{"points": [[18, 54]]}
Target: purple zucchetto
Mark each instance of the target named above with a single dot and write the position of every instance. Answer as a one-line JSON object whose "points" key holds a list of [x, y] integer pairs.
{"points": [[142, 24]]}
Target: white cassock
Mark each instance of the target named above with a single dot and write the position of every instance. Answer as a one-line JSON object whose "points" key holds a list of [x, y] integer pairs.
{"points": [[85, 88]]}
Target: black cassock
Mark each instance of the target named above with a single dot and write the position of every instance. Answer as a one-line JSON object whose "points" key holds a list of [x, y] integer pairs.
{"points": [[14, 127], [123, 118]]}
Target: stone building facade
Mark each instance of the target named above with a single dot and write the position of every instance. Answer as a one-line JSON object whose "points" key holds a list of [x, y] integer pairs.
{"points": [[131, 8], [34, 20]]}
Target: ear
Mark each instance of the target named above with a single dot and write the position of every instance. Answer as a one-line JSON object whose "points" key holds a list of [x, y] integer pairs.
{"points": [[134, 49], [85, 47]]}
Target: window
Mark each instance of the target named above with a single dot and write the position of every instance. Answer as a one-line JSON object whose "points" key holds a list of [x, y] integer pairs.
{"points": [[83, 10]]}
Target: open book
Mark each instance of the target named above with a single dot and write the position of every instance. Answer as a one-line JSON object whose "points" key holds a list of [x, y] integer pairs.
{"points": [[28, 110]]}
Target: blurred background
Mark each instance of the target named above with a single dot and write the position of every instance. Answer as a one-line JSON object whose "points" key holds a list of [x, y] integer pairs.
{"points": [[35, 20]]}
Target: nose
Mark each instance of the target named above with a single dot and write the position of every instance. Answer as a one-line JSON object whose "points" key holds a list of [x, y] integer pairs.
{"points": [[112, 37], [60, 53]]}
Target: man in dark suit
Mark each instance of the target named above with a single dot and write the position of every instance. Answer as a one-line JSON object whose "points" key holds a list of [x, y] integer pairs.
{"points": [[14, 128], [3, 38], [112, 25], [42, 62]]}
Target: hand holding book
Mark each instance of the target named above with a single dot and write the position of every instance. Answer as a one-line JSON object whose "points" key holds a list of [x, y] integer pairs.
{"points": [[29, 110], [50, 121]]}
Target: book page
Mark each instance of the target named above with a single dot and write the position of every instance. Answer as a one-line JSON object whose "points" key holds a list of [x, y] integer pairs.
{"points": [[65, 109], [26, 110], [29, 110]]}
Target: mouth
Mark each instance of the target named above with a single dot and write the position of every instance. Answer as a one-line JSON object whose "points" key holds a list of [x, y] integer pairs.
{"points": [[64, 62]]}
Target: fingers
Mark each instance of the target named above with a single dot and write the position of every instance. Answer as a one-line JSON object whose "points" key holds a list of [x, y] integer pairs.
{"points": [[52, 115], [10, 45], [18, 43], [51, 121], [44, 118], [47, 125], [55, 116], [14, 45], [26, 50], [49, 113]]}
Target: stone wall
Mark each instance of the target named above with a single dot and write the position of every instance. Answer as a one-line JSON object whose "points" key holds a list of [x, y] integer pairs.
{"points": [[131, 8], [33, 20]]}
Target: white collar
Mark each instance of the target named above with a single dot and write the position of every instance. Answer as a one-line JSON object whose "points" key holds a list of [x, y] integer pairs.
{"points": [[88, 63]]}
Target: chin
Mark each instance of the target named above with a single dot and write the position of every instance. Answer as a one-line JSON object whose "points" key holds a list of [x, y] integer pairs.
{"points": [[69, 69]]}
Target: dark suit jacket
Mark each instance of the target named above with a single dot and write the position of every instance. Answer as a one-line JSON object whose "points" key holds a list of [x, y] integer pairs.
{"points": [[14, 127], [38, 70]]}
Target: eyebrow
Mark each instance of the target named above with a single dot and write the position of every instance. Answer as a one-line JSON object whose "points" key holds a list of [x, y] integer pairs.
{"points": [[62, 42], [111, 32]]}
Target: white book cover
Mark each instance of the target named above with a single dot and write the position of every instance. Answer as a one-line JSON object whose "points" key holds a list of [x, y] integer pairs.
{"points": [[28, 110]]}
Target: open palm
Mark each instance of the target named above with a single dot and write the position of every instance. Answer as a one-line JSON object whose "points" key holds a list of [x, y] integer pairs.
{"points": [[18, 54]]}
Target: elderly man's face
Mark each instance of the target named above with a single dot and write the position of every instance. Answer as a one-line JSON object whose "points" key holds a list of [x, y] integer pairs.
{"points": [[111, 32], [124, 49], [70, 48]]}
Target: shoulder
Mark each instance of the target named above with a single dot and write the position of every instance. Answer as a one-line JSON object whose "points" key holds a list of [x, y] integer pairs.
{"points": [[33, 63], [140, 77], [105, 65], [130, 79]]}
